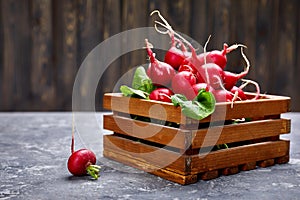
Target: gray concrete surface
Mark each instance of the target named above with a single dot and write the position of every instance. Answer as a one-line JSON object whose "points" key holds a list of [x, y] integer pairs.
{"points": [[35, 148]]}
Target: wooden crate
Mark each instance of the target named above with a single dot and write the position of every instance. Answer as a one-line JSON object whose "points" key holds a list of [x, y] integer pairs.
{"points": [[189, 150]]}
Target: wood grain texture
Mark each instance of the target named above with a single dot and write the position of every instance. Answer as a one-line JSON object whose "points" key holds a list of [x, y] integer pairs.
{"points": [[65, 50], [195, 139], [110, 24], [152, 169], [43, 43], [241, 132], [164, 135], [187, 153], [239, 155], [43, 87], [187, 169], [268, 105], [16, 56], [159, 157]]}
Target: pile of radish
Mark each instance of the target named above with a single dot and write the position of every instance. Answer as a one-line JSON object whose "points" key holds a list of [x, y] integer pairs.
{"points": [[186, 78], [184, 72]]}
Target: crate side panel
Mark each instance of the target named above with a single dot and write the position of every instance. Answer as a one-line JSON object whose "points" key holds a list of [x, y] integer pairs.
{"points": [[160, 134], [239, 155], [268, 105], [159, 157], [251, 109], [240, 132], [141, 107], [150, 168]]}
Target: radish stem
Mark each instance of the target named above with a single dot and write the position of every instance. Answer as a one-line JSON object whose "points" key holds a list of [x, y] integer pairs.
{"points": [[246, 60], [247, 81], [206, 71], [73, 130], [93, 170]]}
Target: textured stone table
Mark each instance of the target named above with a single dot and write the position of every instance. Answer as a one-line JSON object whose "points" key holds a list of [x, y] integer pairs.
{"points": [[35, 148]]}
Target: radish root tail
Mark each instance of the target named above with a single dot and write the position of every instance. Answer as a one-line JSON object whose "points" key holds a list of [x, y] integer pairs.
{"points": [[247, 81], [73, 133]]}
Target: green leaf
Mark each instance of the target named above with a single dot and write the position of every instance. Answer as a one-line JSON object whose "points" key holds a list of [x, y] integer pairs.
{"points": [[178, 99], [128, 91], [142, 85], [141, 81], [199, 108], [207, 100]]}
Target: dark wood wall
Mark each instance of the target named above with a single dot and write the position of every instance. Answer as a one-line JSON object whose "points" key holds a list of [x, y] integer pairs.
{"points": [[43, 43]]}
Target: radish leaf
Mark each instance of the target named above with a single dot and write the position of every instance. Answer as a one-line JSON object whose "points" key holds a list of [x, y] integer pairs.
{"points": [[141, 85], [128, 91], [199, 108], [141, 81]]}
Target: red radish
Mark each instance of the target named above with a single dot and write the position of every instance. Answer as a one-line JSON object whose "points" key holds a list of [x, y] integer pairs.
{"points": [[197, 87], [222, 95], [218, 57], [82, 161], [230, 79], [160, 73], [200, 86], [212, 74], [190, 57], [192, 60], [190, 68], [246, 82], [182, 84], [175, 56], [161, 94], [204, 58], [238, 92], [209, 65]]}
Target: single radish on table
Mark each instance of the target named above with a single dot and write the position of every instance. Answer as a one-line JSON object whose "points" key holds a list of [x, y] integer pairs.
{"points": [[82, 161]]}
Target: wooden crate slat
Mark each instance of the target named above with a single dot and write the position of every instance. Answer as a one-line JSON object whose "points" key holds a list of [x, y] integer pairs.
{"points": [[214, 160], [239, 155], [226, 168], [116, 102], [240, 132], [150, 168], [152, 132], [159, 157], [181, 139], [268, 105]]}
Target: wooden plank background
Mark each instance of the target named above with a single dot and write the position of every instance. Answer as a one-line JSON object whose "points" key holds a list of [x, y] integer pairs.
{"points": [[43, 43]]}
